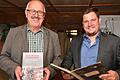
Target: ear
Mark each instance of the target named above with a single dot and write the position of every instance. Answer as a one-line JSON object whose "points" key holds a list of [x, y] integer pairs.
{"points": [[100, 20], [26, 14]]}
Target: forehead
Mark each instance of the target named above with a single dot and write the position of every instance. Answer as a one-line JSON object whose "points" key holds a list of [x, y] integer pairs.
{"points": [[90, 15], [37, 5]]}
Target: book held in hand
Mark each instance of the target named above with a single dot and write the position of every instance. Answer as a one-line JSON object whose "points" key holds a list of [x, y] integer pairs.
{"points": [[32, 66], [91, 72]]}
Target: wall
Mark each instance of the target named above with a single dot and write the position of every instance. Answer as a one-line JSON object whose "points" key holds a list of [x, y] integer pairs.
{"points": [[110, 24], [13, 18]]}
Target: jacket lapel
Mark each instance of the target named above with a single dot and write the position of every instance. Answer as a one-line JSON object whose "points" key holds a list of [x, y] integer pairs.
{"points": [[46, 42], [80, 40], [24, 36], [101, 47]]}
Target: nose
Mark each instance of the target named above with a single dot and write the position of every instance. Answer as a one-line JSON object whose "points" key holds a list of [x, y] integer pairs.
{"points": [[89, 23]]}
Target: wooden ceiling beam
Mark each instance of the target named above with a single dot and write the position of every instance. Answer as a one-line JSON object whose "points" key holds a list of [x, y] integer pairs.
{"points": [[85, 5], [51, 5], [14, 5], [90, 3]]}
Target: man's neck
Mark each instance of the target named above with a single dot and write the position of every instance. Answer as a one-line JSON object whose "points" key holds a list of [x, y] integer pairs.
{"points": [[93, 38], [34, 28]]}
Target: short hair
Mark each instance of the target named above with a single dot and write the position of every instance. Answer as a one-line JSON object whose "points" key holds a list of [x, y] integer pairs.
{"points": [[95, 10]]}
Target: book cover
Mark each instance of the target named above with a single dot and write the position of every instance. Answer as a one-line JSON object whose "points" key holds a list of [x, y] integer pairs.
{"points": [[91, 72], [77, 76], [32, 66]]}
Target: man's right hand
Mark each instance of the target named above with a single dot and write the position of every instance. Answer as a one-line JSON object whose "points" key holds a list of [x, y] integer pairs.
{"points": [[18, 72], [66, 76]]}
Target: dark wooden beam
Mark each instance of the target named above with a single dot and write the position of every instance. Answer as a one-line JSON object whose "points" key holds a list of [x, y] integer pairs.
{"points": [[86, 5], [13, 4], [90, 3], [51, 5]]}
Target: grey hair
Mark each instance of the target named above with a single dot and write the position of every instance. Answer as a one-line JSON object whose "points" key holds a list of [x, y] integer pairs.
{"points": [[28, 4]]}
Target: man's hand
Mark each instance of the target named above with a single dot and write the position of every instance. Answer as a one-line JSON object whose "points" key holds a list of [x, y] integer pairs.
{"points": [[110, 75], [18, 72], [66, 76], [47, 73]]}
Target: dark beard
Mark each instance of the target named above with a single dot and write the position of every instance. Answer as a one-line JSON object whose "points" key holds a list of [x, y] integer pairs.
{"points": [[91, 34]]}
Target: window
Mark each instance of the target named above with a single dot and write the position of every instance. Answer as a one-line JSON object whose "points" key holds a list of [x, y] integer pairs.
{"points": [[71, 33]]}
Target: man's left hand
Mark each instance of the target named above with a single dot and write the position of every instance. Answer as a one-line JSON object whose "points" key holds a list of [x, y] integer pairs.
{"points": [[110, 75]]}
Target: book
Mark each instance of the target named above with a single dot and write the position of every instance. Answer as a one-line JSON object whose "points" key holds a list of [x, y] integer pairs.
{"points": [[91, 72], [32, 66]]}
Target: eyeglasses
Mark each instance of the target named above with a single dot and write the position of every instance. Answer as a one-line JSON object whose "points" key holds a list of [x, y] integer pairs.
{"points": [[33, 12]]}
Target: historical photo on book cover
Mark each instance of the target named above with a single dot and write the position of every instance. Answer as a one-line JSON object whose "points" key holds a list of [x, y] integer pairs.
{"points": [[32, 66]]}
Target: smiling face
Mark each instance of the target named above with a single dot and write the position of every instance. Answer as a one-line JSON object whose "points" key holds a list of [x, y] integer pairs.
{"points": [[35, 13], [91, 23]]}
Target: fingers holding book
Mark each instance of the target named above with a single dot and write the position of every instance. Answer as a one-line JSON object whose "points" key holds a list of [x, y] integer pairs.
{"points": [[66, 76]]}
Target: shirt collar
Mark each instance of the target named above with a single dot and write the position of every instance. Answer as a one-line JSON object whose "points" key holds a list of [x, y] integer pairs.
{"points": [[85, 36], [40, 29]]}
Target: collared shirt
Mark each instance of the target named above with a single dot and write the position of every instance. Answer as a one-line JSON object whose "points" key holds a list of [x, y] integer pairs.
{"points": [[35, 40], [89, 52]]}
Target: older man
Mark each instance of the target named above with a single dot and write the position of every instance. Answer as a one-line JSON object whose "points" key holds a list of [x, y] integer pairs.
{"points": [[31, 37]]}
